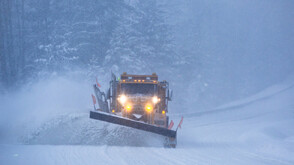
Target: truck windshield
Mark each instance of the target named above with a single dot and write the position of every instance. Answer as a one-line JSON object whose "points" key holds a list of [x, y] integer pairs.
{"points": [[146, 89]]}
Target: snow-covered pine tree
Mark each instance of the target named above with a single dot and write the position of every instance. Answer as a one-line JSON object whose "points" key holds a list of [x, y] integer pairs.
{"points": [[141, 42]]}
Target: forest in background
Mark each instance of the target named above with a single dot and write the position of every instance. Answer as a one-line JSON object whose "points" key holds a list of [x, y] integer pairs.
{"points": [[56, 36], [212, 52]]}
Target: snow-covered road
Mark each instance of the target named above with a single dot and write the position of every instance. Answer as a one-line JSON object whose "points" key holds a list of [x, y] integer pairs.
{"points": [[257, 130]]}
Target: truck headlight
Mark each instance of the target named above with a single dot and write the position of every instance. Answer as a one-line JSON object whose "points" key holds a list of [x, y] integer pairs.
{"points": [[128, 107], [122, 99], [155, 99], [148, 108]]}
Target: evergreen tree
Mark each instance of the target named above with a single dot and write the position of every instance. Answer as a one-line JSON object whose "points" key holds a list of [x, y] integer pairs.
{"points": [[141, 41]]}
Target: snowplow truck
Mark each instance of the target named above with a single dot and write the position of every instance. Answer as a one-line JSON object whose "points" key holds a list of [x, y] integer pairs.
{"points": [[136, 101]]}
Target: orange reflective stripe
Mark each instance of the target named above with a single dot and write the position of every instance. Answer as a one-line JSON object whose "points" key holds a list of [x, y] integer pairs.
{"points": [[97, 83], [179, 126], [94, 99], [171, 124]]}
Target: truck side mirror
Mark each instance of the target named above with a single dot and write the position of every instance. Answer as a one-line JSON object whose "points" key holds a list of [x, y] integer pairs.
{"points": [[108, 94], [171, 95]]}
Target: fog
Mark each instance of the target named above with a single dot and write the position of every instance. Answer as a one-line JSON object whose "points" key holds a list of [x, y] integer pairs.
{"points": [[211, 52], [27, 109], [236, 48]]}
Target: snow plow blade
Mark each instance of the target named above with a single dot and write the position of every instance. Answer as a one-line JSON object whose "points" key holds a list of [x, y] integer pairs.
{"points": [[132, 123]]}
